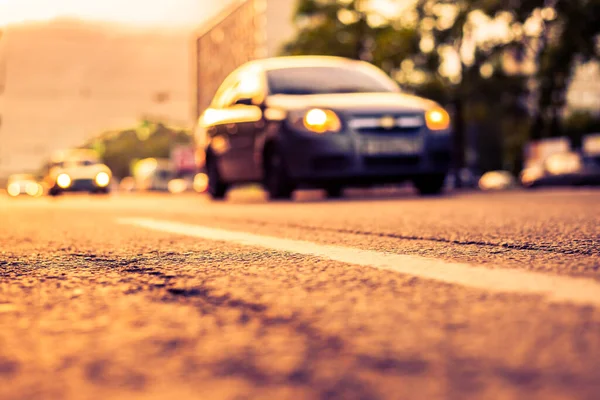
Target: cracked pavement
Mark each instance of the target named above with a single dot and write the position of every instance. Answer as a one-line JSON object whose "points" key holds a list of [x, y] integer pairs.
{"points": [[93, 309]]}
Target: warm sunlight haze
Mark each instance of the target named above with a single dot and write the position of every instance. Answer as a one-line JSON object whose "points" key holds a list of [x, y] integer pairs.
{"points": [[139, 12], [299, 199]]}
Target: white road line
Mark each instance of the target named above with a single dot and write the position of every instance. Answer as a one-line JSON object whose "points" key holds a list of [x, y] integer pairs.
{"points": [[560, 289]]}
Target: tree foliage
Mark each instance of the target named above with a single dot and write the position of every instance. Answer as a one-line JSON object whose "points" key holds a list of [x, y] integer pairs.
{"points": [[567, 40], [350, 29], [118, 149]]}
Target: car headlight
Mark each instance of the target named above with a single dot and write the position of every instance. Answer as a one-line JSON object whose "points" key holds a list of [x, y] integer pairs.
{"points": [[437, 119], [102, 179], [32, 189], [318, 120], [14, 189], [63, 181]]}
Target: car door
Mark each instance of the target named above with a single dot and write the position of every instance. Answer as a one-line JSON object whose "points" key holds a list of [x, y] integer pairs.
{"points": [[212, 132], [245, 119], [231, 125]]}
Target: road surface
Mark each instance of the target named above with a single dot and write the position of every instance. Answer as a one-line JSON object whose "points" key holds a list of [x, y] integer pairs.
{"points": [[380, 296]]}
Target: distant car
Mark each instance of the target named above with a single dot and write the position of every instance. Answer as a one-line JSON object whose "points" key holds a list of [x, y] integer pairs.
{"points": [[496, 180], [153, 174], [320, 122], [23, 184], [559, 169], [591, 169], [77, 171]]}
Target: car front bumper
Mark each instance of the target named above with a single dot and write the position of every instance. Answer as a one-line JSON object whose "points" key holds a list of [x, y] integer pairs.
{"points": [[346, 158], [81, 185]]}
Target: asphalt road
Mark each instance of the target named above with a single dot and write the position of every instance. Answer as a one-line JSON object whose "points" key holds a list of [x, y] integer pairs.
{"points": [[377, 296]]}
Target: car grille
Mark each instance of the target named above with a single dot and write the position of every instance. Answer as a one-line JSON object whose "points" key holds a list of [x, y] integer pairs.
{"points": [[392, 124], [330, 163], [82, 184], [441, 158], [384, 131], [379, 162]]}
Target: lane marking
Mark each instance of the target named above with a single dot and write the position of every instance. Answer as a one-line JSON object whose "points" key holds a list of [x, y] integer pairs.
{"points": [[556, 289]]}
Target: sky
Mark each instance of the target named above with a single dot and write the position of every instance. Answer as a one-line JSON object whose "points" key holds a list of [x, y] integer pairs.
{"points": [[167, 13]]}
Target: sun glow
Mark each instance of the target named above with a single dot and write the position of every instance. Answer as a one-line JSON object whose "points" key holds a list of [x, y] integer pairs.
{"points": [[136, 12]]}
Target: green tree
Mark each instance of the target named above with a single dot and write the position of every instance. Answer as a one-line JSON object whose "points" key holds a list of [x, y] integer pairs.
{"points": [[149, 139], [580, 123], [456, 50], [351, 29], [568, 38]]}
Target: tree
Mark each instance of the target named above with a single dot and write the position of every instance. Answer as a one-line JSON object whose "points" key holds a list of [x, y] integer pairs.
{"points": [[456, 50], [149, 139], [581, 123], [350, 29], [568, 38]]}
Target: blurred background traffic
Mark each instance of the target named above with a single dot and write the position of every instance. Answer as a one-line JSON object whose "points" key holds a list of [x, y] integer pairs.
{"points": [[99, 101]]}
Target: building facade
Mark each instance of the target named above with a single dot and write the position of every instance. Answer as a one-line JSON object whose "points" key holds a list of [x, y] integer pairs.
{"points": [[67, 81], [244, 31]]}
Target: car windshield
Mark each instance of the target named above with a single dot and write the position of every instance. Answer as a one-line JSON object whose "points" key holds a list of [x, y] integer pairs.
{"points": [[78, 163], [21, 177], [324, 80]]}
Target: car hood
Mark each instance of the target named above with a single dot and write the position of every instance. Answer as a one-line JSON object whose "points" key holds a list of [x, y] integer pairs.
{"points": [[23, 183], [354, 103]]}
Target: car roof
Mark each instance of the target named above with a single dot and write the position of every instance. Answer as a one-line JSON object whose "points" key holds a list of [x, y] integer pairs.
{"points": [[75, 154], [21, 176], [284, 62]]}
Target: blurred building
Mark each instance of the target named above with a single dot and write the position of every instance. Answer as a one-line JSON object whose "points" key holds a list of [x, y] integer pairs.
{"points": [[67, 80], [246, 30]]}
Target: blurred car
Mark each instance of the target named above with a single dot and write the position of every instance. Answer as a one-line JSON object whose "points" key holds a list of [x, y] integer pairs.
{"points": [[77, 170], [591, 159], [559, 169], [185, 183], [127, 184], [591, 170], [153, 174], [23, 184], [179, 185], [200, 182], [320, 122], [496, 180]]}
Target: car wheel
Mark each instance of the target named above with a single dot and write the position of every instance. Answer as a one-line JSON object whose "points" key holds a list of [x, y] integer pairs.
{"points": [[334, 192], [278, 184], [429, 185], [54, 192], [217, 189]]}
